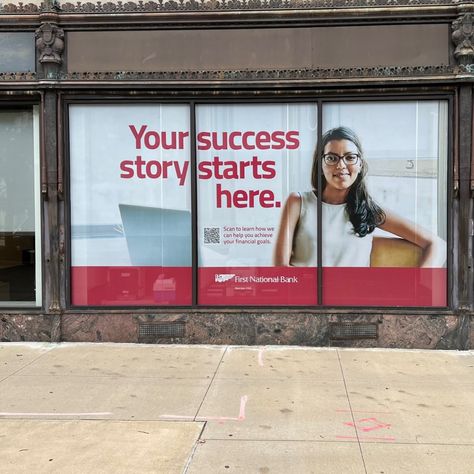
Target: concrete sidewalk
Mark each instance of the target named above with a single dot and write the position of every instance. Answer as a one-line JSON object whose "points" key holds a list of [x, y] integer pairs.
{"points": [[122, 408]]}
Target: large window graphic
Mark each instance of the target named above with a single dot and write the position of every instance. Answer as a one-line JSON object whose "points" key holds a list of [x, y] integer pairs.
{"points": [[130, 205], [20, 259], [377, 177], [384, 226], [356, 216], [249, 157]]}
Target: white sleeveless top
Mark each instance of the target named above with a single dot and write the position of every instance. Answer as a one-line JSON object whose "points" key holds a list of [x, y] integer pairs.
{"points": [[341, 247]]}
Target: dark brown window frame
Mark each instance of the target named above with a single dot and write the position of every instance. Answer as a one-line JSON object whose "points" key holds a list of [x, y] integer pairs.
{"points": [[293, 96]]}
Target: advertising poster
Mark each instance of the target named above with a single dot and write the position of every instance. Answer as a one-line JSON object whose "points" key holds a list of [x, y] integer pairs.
{"points": [[383, 234], [397, 186], [130, 205], [383, 228], [249, 158]]}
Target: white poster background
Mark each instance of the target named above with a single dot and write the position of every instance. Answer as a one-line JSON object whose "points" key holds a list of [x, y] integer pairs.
{"points": [[292, 167], [100, 139]]}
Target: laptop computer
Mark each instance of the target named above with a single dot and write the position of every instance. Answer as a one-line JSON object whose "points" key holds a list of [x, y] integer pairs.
{"points": [[157, 236]]}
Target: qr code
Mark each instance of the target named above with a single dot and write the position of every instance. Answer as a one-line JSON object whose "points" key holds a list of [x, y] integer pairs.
{"points": [[212, 235]]}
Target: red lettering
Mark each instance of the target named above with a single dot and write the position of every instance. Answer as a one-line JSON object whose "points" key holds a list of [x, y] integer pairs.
{"points": [[182, 136], [243, 166], [240, 199], [149, 172], [255, 166], [231, 171], [172, 142], [267, 198], [152, 140], [138, 135], [245, 142], [292, 137], [278, 140], [263, 140], [217, 164], [215, 141], [127, 167], [203, 141], [166, 165], [139, 164], [268, 168], [181, 174], [222, 192], [154, 169], [204, 170], [232, 143]]}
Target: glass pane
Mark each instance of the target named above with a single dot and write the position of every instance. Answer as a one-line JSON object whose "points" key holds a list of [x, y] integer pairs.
{"points": [[384, 216], [130, 205], [250, 158], [19, 218], [17, 52]]}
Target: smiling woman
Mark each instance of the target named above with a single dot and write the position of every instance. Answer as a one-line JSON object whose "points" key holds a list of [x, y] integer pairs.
{"points": [[349, 214]]}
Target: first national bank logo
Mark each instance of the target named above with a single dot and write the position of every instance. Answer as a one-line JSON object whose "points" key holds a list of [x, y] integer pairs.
{"points": [[223, 277]]}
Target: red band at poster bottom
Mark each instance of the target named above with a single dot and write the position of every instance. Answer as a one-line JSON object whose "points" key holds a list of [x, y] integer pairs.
{"points": [[131, 286], [378, 286], [257, 286], [263, 286], [348, 286]]}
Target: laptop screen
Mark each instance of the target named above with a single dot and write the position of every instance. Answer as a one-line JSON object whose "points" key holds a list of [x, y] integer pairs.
{"points": [[156, 236]]}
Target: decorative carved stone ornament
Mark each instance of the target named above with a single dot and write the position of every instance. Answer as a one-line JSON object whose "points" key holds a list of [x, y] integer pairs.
{"points": [[17, 76], [463, 36], [378, 72], [167, 6], [50, 43]]}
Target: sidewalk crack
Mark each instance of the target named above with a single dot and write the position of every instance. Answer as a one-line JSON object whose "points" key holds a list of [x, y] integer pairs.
{"points": [[194, 448], [352, 412], [210, 383], [27, 365]]}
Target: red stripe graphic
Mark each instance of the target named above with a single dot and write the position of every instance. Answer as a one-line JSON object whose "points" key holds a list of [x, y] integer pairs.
{"points": [[264, 286], [384, 286], [296, 286], [131, 286]]}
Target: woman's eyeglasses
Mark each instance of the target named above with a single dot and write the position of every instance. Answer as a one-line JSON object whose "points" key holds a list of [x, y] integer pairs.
{"points": [[332, 159]]}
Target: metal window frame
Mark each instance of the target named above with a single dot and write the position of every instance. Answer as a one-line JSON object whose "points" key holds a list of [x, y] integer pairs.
{"points": [[318, 97]]}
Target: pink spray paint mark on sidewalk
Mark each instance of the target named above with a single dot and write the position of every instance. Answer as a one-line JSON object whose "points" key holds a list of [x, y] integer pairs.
{"points": [[260, 357], [220, 419], [368, 424], [243, 403], [53, 414]]}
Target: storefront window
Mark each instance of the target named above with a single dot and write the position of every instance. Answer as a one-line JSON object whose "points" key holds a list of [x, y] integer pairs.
{"points": [[130, 205], [249, 158], [348, 212], [20, 262], [397, 186]]}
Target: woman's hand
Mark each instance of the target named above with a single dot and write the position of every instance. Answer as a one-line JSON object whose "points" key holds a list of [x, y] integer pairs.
{"points": [[286, 230], [434, 248]]}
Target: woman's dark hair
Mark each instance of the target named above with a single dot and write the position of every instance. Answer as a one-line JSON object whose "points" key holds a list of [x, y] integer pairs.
{"points": [[365, 215]]}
